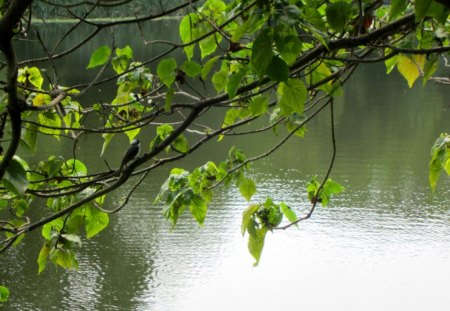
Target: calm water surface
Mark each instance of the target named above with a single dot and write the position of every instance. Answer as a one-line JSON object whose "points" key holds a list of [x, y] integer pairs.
{"points": [[381, 245]]}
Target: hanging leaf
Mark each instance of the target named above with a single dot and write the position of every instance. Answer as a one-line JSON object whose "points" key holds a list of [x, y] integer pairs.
{"points": [[338, 14], [292, 96], [256, 244], [408, 69], [421, 8], [15, 178], [99, 57], [262, 52], [166, 71]]}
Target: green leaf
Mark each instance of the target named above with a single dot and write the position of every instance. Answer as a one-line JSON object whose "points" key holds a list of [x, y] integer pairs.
{"points": [[95, 221], [122, 59], [75, 167], [131, 134], [421, 8], [262, 53], [289, 47], [50, 123], [166, 71], [288, 212], [397, 8], [169, 98], [247, 188], [256, 244], [292, 96], [181, 144], [209, 44], [188, 33], [30, 137], [220, 80], [438, 155], [233, 83], [259, 105], [33, 75], [247, 217], [4, 294], [99, 57], [74, 238], [15, 178], [208, 66], [65, 258], [42, 259], [338, 14], [107, 137], [191, 68], [198, 209], [408, 69], [278, 70]]}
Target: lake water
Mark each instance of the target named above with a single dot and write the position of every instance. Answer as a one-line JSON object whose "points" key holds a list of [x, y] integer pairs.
{"points": [[381, 245]]}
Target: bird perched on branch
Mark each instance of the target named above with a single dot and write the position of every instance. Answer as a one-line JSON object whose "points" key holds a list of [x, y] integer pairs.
{"points": [[131, 153]]}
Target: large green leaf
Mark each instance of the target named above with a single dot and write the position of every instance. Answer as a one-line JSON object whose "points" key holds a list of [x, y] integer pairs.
{"points": [[247, 217], [262, 52], [233, 82], [256, 244], [338, 14], [4, 294], [397, 7], [42, 258], [122, 59], [292, 96], [288, 212], [188, 33], [247, 187], [198, 209], [278, 70], [99, 57], [191, 68], [95, 221], [421, 8], [166, 71], [410, 68], [15, 178]]}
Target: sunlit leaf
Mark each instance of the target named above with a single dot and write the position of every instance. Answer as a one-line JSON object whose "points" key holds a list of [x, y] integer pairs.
{"points": [[408, 69], [256, 244], [233, 83], [247, 215], [198, 209], [191, 68], [166, 71], [95, 221], [247, 187], [292, 96], [208, 66], [4, 294], [99, 57], [288, 212]]}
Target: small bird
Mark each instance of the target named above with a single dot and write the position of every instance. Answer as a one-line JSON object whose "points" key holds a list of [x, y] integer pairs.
{"points": [[131, 153]]}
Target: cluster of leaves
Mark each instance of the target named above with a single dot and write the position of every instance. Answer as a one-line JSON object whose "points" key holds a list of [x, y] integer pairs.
{"points": [[195, 190], [440, 159], [258, 219]]}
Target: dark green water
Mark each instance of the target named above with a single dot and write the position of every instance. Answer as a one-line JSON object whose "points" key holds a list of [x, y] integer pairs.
{"points": [[382, 245]]}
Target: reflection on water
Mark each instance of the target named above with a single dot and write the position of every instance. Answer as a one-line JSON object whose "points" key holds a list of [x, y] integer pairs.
{"points": [[382, 245]]}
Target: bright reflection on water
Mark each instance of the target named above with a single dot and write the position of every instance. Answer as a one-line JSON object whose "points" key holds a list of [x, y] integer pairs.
{"points": [[382, 245]]}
